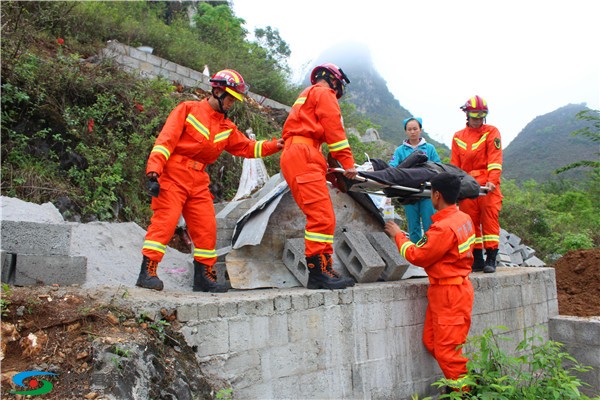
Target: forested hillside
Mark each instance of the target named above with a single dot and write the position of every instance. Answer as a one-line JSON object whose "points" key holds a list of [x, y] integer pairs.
{"points": [[546, 144]]}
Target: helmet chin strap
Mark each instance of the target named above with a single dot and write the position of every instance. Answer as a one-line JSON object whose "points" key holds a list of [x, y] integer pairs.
{"points": [[339, 89], [220, 100]]}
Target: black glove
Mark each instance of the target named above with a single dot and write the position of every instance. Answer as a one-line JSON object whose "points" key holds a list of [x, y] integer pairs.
{"points": [[153, 187]]}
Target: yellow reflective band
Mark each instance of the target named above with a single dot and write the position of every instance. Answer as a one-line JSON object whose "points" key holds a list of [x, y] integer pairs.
{"points": [[162, 150], [467, 244], [318, 237], [300, 101], [199, 127], [478, 143], [234, 93], [405, 247], [491, 238], [478, 240], [494, 166], [258, 149], [222, 136], [473, 102], [156, 246], [342, 144], [460, 143], [205, 253]]}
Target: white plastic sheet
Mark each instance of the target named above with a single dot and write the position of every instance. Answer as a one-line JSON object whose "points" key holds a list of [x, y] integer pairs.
{"points": [[254, 175]]}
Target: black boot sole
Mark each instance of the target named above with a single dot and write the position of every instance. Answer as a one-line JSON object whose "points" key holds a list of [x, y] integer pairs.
{"points": [[209, 290], [321, 285], [157, 288]]}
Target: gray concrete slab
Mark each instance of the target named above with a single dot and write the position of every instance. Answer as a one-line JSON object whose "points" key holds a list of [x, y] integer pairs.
{"points": [[31, 269], [23, 237]]}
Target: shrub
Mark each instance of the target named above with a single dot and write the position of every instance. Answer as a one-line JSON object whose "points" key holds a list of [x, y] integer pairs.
{"points": [[537, 370]]}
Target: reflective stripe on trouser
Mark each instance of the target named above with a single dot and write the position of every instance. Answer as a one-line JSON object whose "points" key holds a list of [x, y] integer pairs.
{"points": [[304, 169], [447, 323], [183, 190], [418, 216], [484, 213]]}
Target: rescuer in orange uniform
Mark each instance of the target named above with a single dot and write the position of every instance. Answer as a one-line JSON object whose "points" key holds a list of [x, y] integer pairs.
{"points": [[477, 149], [315, 119], [194, 135], [445, 252]]}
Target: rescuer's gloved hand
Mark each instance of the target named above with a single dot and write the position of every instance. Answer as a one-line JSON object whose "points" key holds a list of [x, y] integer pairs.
{"points": [[153, 185]]}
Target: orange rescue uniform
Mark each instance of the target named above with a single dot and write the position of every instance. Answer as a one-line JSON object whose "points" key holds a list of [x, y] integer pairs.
{"points": [[315, 119], [446, 254], [194, 135], [479, 153]]}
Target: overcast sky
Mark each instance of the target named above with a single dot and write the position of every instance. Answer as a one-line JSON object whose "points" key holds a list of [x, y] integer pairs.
{"points": [[525, 57]]}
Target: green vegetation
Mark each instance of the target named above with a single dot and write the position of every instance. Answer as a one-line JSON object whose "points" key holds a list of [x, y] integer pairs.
{"points": [[225, 394], [5, 299], [538, 370], [553, 218]]}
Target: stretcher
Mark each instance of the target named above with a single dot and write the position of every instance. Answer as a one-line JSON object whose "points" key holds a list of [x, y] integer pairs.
{"points": [[409, 182]]}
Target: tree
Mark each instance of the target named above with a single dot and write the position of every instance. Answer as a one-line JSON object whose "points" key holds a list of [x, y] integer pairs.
{"points": [[277, 49], [592, 132]]}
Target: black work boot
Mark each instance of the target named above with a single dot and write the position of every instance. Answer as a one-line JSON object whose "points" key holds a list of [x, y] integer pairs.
{"points": [[329, 265], [148, 278], [478, 262], [490, 260], [318, 275], [205, 279]]}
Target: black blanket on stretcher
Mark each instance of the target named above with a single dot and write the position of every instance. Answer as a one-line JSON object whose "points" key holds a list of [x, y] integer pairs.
{"points": [[415, 172]]}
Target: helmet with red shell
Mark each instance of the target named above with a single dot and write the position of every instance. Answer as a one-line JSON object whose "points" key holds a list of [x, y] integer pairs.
{"points": [[475, 107], [329, 71], [231, 81]]}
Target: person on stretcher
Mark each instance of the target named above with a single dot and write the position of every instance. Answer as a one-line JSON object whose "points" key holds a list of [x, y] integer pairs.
{"points": [[408, 181]]}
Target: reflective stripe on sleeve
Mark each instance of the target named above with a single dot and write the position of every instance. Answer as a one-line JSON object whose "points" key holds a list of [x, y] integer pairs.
{"points": [[162, 150], [342, 144], [467, 244]]}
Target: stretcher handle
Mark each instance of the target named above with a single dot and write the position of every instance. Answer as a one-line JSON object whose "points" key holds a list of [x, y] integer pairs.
{"points": [[363, 179]]}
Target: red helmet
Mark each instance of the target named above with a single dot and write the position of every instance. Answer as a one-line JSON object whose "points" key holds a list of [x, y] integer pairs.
{"points": [[475, 107], [328, 71], [231, 81]]}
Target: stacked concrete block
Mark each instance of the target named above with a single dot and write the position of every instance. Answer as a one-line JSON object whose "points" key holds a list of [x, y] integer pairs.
{"points": [[513, 253], [39, 254], [294, 260], [359, 257], [534, 262], [395, 264]]}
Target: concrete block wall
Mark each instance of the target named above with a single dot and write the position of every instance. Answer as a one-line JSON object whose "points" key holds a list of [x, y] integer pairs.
{"points": [[358, 343], [148, 65], [581, 337]]}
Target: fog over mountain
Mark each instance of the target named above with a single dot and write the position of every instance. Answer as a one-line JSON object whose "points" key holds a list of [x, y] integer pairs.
{"points": [[369, 92]]}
